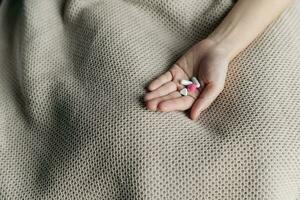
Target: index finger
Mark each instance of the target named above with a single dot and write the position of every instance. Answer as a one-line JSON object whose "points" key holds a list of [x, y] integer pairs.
{"points": [[162, 79]]}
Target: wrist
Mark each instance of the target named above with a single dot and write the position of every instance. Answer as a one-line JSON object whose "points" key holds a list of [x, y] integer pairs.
{"points": [[223, 44], [219, 48]]}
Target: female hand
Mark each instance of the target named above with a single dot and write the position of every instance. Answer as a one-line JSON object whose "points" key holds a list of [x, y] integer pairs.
{"points": [[205, 61], [208, 60]]}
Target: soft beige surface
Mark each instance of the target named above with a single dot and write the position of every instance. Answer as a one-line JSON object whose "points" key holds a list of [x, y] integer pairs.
{"points": [[72, 125]]}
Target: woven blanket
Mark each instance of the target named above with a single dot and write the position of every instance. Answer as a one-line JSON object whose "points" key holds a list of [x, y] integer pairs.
{"points": [[73, 124]]}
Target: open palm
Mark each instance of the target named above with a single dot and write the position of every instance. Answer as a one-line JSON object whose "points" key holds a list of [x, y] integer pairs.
{"points": [[204, 61]]}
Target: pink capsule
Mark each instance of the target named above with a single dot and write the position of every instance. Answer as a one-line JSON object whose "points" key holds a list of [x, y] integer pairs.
{"points": [[191, 88]]}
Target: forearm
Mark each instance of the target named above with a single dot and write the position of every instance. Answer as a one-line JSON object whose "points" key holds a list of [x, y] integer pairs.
{"points": [[246, 20]]}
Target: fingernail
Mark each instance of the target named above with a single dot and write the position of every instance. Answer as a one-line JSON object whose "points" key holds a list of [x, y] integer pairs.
{"points": [[195, 119]]}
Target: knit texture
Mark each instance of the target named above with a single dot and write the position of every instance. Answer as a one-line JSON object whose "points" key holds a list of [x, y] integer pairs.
{"points": [[73, 124]]}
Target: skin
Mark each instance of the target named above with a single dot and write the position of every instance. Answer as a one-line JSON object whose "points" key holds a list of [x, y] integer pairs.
{"points": [[208, 60]]}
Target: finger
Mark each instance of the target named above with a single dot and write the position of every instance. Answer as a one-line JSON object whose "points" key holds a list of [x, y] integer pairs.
{"points": [[180, 104], [161, 91], [207, 96], [152, 104], [164, 78]]}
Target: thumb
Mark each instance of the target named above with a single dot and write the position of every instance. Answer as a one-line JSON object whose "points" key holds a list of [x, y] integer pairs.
{"points": [[209, 93]]}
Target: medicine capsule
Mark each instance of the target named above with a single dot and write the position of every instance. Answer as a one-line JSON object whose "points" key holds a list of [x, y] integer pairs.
{"points": [[186, 82], [192, 88], [196, 82], [184, 92]]}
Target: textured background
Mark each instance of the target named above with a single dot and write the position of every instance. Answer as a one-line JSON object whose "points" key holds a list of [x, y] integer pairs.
{"points": [[72, 124]]}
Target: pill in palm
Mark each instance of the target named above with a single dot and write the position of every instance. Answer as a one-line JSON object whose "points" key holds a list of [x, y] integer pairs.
{"points": [[184, 92], [196, 82], [186, 82], [191, 88]]}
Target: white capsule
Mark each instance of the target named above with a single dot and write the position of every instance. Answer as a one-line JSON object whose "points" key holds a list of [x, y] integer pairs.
{"points": [[196, 82], [186, 82], [184, 92]]}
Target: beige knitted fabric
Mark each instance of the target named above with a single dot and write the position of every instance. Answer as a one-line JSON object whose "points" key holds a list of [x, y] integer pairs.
{"points": [[73, 126]]}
